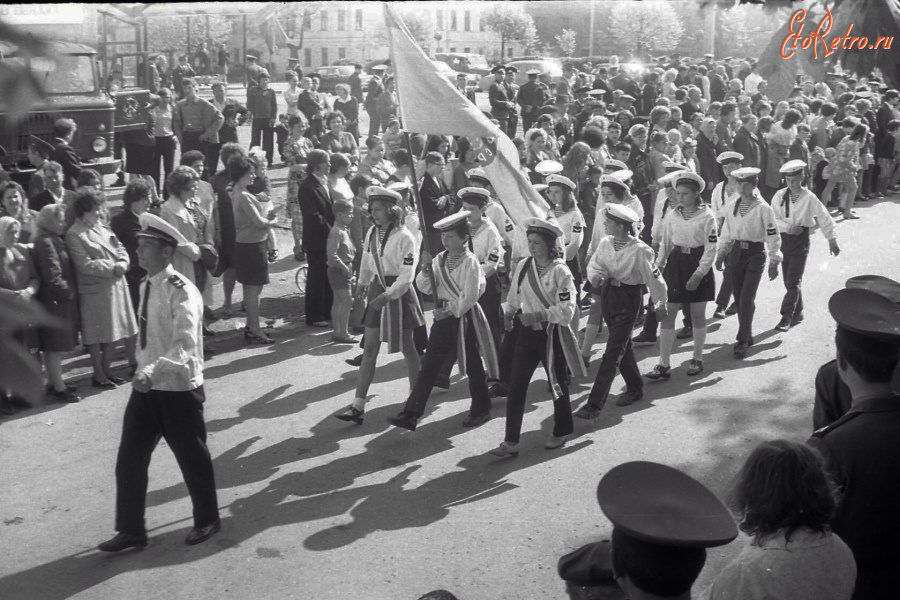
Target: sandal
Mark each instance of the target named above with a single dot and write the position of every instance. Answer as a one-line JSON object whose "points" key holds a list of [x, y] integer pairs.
{"points": [[659, 372], [696, 367], [255, 338]]}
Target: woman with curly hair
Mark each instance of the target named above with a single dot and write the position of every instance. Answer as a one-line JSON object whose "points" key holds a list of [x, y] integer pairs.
{"points": [[786, 502]]}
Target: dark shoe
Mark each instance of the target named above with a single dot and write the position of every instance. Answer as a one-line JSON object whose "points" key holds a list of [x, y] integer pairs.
{"points": [[117, 380], [6, 408], [404, 419], [640, 321], [499, 390], [255, 338], [209, 315], [199, 535], [784, 324], [476, 420], [630, 397], [21, 402], [123, 541], [796, 320], [299, 256], [443, 383], [644, 338], [719, 314], [355, 361], [351, 414], [65, 396], [740, 350], [696, 367], [732, 310], [686, 333], [506, 449], [554, 442], [588, 411], [106, 384], [659, 372]]}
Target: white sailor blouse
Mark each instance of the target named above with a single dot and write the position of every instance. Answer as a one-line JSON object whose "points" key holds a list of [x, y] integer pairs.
{"points": [[398, 256], [757, 225], [805, 211], [469, 279], [699, 230], [487, 245], [557, 283], [599, 231], [496, 214], [572, 224], [632, 265]]}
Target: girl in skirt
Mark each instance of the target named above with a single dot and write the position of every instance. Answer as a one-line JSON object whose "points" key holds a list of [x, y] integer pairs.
{"points": [[686, 255], [392, 310]]}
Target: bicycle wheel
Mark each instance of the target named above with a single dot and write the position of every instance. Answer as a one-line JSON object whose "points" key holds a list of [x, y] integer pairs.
{"points": [[300, 278]]}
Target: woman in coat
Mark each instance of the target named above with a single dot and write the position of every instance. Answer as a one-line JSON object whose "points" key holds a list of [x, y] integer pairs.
{"points": [[182, 211], [59, 297], [14, 203], [100, 265]]}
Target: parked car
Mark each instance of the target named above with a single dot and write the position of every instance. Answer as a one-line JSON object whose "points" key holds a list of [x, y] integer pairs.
{"points": [[331, 76], [550, 68], [465, 62]]}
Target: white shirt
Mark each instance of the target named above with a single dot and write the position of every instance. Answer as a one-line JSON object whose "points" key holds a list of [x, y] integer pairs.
{"points": [[468, 278], [807, 211], [572, 224], [501, 221], [758, 225], [599, 231], [398, 258], [751, 82], [173, 356], [487, 247], [631, 265], [699, 230], [722, 198], [556, 281]]}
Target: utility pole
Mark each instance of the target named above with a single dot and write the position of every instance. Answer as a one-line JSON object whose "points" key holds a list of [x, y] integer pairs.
{"points": [[591, 31]]}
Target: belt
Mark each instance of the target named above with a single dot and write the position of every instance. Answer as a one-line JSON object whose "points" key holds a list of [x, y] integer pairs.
{"points": [[685, 249], [617, 283], [805, 232], [746, 245]]}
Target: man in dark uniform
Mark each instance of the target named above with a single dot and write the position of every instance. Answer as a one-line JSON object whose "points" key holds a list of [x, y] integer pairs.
{"points": [[437, 202], [862, 448], [462, 84], [167, 396], [181, 72], [64, 132], [663, 522], [512, 92], [356, 83], [832, 395], [254, 70], [531, 98], [498, 96]]}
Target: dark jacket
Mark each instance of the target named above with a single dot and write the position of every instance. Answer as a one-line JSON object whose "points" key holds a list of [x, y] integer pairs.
{"points": [[706, 161], [429, 192], [262, 104], [126, 227], [500, 101], [318, 217], [71, 164], [747, 144], [717, 88]]}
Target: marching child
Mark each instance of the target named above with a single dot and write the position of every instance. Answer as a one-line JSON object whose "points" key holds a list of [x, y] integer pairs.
{"points": [[341, 253]]}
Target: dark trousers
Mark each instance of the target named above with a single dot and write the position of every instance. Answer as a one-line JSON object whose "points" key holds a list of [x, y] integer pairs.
{"points": [[726, 290], [374, 123], [527, 123], [165, 152], [620, 309], [507, 351], [212, 161], [441, 343], [318, 291], [262, 133], [531, 350], [647, 204], [511, 124], [795, 249], [177, 417], [747, 265], [490, 302]]}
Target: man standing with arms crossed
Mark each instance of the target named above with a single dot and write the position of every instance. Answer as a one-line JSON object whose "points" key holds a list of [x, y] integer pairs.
{"points": [[167, 396]]}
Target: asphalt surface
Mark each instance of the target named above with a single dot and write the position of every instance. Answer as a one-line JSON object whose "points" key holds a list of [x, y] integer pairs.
{"points": [[315, 508]]}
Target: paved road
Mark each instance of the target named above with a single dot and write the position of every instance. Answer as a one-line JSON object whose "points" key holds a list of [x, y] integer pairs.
{"points": [[314, 508]]}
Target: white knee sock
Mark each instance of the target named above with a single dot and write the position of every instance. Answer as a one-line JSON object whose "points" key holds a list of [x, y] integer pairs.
{"points": [[590, 334], [359, 403], [666, 341], [699, 341]]}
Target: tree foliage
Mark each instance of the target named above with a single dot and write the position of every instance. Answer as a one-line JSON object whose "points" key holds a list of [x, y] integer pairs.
{"points": [[567, 40], [170, 33], [643, 28], [511, 23]]}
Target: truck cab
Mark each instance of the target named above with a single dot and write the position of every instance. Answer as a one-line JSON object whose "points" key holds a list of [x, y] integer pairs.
{"points": [[71, 81]]}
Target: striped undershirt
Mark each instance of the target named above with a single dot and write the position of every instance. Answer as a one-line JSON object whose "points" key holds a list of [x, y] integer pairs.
{"points": [[381, 233], [744, 208], [558, 212], [540, 269], [688, 213], [795, 196], [452, 261], [618, 244]]}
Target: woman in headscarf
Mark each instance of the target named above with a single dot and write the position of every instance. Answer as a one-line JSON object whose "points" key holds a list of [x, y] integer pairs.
{"points": [[59, 297], [14, 203]]}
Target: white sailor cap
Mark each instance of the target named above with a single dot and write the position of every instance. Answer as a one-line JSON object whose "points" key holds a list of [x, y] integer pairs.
{"points": [[477, 174], [376, 192], [688, 177], [613, 165], [668, 179], [534, 225], [672, 167], [622, 214], [155, 227], [745, 173], [729, 156], [452, 221], [474, 195], [617, 179], [792, 167], [548, 167], [561, 180]]}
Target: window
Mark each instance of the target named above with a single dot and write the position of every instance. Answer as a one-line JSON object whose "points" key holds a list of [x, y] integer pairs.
{"points": [[324, 56], [342, 53], [439, 19], [307, 21], [359, 19], [307, 57], [452, 49], [509, 52], [481, 25], [342, 18], [292, 26], [324, 18], [453, 24], [467, 21]]}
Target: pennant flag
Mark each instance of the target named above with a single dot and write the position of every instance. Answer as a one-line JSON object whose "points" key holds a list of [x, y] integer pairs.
{"points": [[430, 104]]}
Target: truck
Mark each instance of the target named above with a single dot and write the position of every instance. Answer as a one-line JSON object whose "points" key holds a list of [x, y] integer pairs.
{"points": [[72, 83]]}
